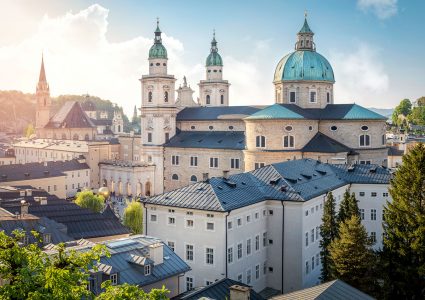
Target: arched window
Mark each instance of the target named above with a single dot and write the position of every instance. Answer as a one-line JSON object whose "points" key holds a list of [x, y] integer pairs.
{"points": [[193, 178], [222, 99], [128, 188], [86, 137], [175, 177], [364, 140], [75, 137], [260, 141], [119, 128], [288, 141], [165, 96], [120, 191], [147, 189], [139, 189], [150, 97], [208, 99]]}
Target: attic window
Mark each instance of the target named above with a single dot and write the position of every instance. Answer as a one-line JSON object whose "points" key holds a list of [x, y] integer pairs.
{"points": [[192, 127], [365, 128], [288, 128], [334, 128], [274, 180], [211, 127], [230, 183], [147, 270], [231, 127]]}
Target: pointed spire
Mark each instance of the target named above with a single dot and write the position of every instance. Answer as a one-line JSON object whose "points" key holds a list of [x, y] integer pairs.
{"points": [[158, 39], [214, 43], [42, 77], [305, 28]]}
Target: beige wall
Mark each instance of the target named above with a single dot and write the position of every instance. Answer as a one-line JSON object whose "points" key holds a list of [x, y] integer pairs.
{"points": [[302, 90], [171, 284], [67, 133], [97, 152], [7, 160], [52, 185], [185, 171], [129, 148], [219, 125]]}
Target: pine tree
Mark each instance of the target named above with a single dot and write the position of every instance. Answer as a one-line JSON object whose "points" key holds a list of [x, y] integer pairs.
{"points": [[328, 231], [352, 256], [344, 207], [404, 228], [354, 206]]}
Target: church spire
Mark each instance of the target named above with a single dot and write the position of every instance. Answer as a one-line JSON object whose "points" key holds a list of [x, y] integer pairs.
{"points": [[42, 77]]}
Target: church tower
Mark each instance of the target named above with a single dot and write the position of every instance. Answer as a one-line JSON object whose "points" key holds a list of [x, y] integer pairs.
{"points": [[158, 110], [214, 91], [42, 95]]}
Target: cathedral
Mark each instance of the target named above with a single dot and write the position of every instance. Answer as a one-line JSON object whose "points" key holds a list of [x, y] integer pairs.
{"points": [[183, 141]]}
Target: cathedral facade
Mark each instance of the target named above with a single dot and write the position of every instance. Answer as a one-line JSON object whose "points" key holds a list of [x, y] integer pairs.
{"points": [[183, 141]]}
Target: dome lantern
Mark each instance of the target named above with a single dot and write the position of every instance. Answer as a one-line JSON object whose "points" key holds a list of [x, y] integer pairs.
{"points": [[305, 37], [157, 50], [214, 59]]}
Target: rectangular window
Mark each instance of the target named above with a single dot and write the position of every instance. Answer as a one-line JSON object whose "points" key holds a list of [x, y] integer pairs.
{"points": [[312, 96], [171, 220], [239, 250], [209, 256], [312, 235], [384, 194], [213, 162], [256, 215], [239, 221], [248, 276], [361, 213], [189, 223], [154, 218], [288, 141], [264, 239], [167, 137], [306, 239], [240, 277], [364, 140], [114, 279], [373, 194], [307, 267], [230, 255], [147, 270], [258, 165], [193, 161], [248, 219], [265, 268], [175, 160], [229, 225], [257, 242], [210, 226], [292, 97], [149, 137], [373, 214], [189, 252], [361, 194], [172, 245], [317, 232], [234, 163], [260, 141], [257, 271], [373, 236], [248, 246], [312, 263], [189, 283]]}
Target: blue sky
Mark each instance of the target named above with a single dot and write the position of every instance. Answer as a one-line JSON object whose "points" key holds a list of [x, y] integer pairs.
{"points": [[375, 46]]}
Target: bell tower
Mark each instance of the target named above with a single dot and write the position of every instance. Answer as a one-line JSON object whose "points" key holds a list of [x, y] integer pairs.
{"points": [[42, 95]]}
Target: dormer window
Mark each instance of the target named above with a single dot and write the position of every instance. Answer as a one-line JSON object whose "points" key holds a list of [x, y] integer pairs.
{"points": [[47, 238], [147, 270], [114, 279]]}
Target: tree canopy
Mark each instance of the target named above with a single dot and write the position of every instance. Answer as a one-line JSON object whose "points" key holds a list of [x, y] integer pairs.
{"points": [[404, 108], [348, 206], [133, 216], [88, 199], [404, 228], [29, 273]]}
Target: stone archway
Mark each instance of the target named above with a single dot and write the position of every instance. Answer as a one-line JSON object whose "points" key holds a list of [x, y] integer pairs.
{"points": [[120, 190], [128, 189], [139, 189]]}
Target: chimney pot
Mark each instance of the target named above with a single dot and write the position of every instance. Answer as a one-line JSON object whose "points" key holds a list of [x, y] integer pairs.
{"points": [[205, 177], [226, 174], [238, 292]]}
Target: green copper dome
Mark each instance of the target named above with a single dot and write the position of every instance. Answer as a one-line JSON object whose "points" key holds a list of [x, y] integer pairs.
{"points": [[214, 59], [304, 65], [157, 50]]}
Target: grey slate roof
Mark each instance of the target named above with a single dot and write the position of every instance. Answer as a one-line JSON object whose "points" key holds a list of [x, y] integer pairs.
{"points": [[332, 290], [296, 180], [322, 143], [234, 140], [394, 151], [101, 122], [79, 222], [215, 113], [39, 170], [70, 115], [217, 291]]}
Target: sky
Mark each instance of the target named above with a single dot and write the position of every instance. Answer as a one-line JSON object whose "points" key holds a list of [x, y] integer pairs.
{"points": [[376, 47]]}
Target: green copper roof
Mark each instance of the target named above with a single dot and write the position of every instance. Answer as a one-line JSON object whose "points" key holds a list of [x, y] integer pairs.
{"points": [[158, 51], [305, 28], [275, 111], [358, 112], [304, 65]]}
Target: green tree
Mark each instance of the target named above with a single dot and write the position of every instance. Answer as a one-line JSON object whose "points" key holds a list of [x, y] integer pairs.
{"points": [[29, 273], [352, 256], [91, 201], [421, 101], [404, 228], [348, 207], [404, 108], [133, 216], [328, 231], [29, 131], [417, 116]]}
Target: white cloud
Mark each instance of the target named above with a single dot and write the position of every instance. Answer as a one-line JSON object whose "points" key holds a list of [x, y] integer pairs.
{"points": [[79, 59], [383, 9], [363, 76]]}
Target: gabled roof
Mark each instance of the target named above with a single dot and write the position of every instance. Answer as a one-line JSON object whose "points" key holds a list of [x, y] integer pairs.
{"points": [[332, 290], [217, 291], [322, 143], [70, 115], [330, 112], [296, 180], [216, 113], [208, 139]]}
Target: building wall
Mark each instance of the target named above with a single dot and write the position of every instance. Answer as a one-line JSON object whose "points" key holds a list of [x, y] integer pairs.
{"points": [[7, 160], [302, 91], [214, 89], [83, 134], [98, 152], [171, 284], [218, 125], [184, 170], [76, 180], [53, 185], [130, 147]]}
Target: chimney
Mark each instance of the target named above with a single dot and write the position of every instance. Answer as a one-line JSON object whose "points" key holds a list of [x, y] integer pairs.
{"points": [[43, 200], [45, 163], [24, 208], [22, 193], [238, 292], [205, 177], [226, 174], [28, 192], [156, 253]]}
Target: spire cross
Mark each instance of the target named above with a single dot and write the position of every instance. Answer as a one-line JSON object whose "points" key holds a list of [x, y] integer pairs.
{"points": [[157, 21], [305, 14]]}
